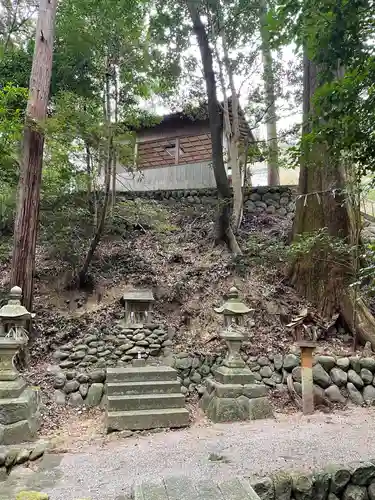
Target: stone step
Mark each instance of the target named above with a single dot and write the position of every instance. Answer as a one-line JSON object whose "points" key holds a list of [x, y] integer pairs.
{"points": [[145, 402], [141, 374], [147, 419], [156, 387], [183, 488]]}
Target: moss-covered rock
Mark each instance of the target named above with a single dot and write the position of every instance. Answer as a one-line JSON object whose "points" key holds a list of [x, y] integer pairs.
{"points": [[32, 495]]}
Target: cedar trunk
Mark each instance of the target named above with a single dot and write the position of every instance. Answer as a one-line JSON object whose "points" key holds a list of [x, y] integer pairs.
{"points": [[224, 231], [321, 275], [26, 224], [270, 99]]}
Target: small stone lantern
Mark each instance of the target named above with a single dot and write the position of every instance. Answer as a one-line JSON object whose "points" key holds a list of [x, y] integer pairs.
{"points": [[14, 317], [233, 393], [233, 309], [138, 307]]}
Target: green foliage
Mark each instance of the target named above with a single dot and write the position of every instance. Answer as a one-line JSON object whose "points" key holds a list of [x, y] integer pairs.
{"points": [[366, 275], [139, 214]]}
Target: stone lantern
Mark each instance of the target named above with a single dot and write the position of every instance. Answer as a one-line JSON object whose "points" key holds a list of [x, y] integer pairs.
{"points": [[233, 309], [234, 394], [18, 403]]}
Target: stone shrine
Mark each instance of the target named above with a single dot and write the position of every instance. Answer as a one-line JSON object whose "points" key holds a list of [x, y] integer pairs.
{"points": [[19, 415], [234, 394], [138, 307]]}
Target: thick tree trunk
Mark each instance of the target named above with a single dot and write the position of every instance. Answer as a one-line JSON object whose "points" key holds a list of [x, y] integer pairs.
{"points": [[26, 224], [224, 231], [323, 275], [269, 87]]}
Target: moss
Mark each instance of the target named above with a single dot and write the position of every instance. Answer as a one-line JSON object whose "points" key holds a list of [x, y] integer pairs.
{"points": [[32, 495]]}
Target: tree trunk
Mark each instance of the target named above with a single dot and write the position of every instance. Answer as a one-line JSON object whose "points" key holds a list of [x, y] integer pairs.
{"points": [[224, 231], [270, 101], [234, 142], [322, 275], [27, 218], [114, 162], [82, 275]]}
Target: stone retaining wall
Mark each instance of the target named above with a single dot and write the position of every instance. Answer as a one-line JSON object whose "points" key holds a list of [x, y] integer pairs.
{"points": [[340, 379], [277, 200], [18, 455], [355, 481]]}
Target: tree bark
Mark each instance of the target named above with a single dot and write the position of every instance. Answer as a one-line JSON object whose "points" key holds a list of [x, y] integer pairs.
{"points": [[322, 275], [27, 218], [234, 141], [270, 101], [82, 274], [224, 231]]}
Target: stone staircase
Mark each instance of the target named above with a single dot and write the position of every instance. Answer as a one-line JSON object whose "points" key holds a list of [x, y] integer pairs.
{"points": [[144, 397]]}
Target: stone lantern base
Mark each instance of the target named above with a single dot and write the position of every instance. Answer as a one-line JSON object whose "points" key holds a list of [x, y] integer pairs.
{"points": [[19, 404], [235, 395], [19, 413]]}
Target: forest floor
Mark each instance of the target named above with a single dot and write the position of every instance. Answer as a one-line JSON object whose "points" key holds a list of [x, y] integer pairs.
{"points": [[108, 468]]}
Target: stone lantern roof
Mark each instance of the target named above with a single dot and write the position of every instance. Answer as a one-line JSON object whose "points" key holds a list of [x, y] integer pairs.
{"points": [[14, 308], [233, 305]]}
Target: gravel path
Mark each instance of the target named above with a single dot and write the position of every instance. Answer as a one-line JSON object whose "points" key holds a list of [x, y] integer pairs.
{"points": [[247, 448]]}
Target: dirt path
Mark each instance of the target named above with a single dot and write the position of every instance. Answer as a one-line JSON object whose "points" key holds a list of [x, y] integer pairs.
{"points": [[256, 448]]}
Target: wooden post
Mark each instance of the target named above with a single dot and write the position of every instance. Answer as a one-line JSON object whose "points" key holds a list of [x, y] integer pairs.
{"points": [[307, 349], [177, 151]]}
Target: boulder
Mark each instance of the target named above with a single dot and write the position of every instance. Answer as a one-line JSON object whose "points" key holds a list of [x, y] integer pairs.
{"points": [[354, 394], [339, 377], [75, 399], [333, 394], [368, 363], [366, 376], [320, 376], [184, 364], [38, 451], [83, 378], [354, 492], [340, 477], [296, 374], [71, 386], [355, 364], [371, 490], [321, 483], [343, 363], [59, 381], [278, 361], [290, 361], [84, 389], [302, 485], [363, 473], [97, 376], [265, 372], [263, 361], [59, 397], [327, 362], [23, 456], [355, 379], [94, 394], [282, 483], [263, 487]]}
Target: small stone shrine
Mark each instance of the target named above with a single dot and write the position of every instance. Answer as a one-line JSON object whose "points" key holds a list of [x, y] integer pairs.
{"points": [[19, 415], [234, 394], [138, 307]]}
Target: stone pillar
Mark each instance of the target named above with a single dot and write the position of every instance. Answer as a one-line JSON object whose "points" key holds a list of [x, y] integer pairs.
{"points": [[234, 394], [19, 415]]}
